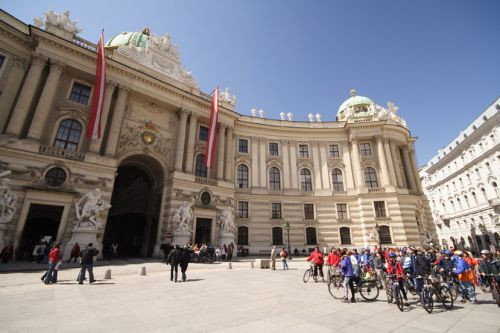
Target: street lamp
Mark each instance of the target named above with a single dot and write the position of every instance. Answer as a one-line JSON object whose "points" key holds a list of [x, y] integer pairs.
{"points": [[377, 229], [287, 227]]}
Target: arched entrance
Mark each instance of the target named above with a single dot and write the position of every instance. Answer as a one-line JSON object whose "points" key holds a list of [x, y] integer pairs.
{"points": [[135, 207]]}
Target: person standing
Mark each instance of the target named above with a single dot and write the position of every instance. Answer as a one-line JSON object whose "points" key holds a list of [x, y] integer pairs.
{"points": [[274, 254], [466, 277], [75, 253], [7, 253], [184, 262], [54, 257], [348, 274], [230, 250], [218, 253], [87, 263], [283, 256], [174, 260]]}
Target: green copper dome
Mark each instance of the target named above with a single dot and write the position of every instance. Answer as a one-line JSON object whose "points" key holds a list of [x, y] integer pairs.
{"points": [[354, 100], [137, 39]]}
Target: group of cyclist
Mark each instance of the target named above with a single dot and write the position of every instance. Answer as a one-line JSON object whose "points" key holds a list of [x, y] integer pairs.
{"points": [[411, 265]]}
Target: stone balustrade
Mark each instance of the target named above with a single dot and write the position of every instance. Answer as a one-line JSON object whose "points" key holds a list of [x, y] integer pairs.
{"points": [[60, 152]]}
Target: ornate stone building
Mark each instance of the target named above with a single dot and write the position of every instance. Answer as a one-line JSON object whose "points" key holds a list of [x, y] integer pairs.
{"points": [[327, 183], [461, 182]]}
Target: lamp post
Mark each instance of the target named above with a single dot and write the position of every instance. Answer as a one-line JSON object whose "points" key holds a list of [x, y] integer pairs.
{"points": [[287, 227], [377, 229]]}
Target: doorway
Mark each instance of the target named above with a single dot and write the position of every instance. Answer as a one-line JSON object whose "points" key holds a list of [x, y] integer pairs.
{"points": [[203, 231], [42, 224]]}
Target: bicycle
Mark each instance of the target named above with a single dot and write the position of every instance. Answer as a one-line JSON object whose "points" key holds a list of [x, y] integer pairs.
{"points": [[367, 288], [433, 287], [310, 273], [452, 283], [491, 280], [393, 291], [410, 285]]}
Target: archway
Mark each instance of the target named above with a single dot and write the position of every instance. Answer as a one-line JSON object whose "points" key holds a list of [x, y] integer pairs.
{"points": [[135, 207]]}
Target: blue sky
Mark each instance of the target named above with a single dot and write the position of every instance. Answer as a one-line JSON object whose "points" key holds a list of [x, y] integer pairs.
{"points": [[437, 60]]}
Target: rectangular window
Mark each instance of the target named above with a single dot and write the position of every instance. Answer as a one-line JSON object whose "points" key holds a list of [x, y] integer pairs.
{"points": [[365, 149], [309, 211], [342, 211], [276, 211], [379, 208], [203, 135], [80, 93], [273, 149], [243, 146], [333, 151], [243, 209], [303, 151]]}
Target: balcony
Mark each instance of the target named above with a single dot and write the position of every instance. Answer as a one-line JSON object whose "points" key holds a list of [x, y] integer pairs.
{"points": [[376, 190], [334, 193], [206, 181], [276, 192], [61, 153]]}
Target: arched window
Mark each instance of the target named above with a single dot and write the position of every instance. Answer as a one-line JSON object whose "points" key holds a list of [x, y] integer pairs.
{"points": [[497, 239], [242, 176], [277, 236], [453, 242], [68, 135], [479, 243], [242, 235], [345, 236], [338, 183], [474, 197], [471, 244], [385, 234], [311, 236], [370, 178], [487, 241], [201, 168], [495, 187], [305, 180], [274, 179], [462, 243]]}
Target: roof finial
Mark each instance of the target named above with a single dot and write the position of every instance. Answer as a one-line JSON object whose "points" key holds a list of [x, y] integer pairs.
{"points": [[145, 31], [353, 92]]}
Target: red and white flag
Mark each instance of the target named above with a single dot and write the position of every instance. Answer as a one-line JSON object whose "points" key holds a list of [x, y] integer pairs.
{"points": [[212, 130], [94, 128]]}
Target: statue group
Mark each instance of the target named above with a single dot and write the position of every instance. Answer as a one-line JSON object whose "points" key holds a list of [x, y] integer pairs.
{"points": [[88, 210], [8, 199]]}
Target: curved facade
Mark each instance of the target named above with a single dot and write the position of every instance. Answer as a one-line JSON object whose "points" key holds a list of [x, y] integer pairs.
{"points": [[327, 183]]}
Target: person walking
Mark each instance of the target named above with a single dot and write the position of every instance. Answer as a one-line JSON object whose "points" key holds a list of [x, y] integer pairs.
{"points": [[348, 274], [75, 253], [54, 257], [184, 262], [283, 256], [87, 263], [274, 254], [7, 253], [174, 260]]}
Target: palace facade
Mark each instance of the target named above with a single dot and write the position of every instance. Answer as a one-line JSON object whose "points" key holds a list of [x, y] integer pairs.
{"points": [[352, 182], [461, 182]]}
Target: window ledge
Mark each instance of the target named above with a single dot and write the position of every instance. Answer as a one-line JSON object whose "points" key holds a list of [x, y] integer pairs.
{"points": [[382, 218]]}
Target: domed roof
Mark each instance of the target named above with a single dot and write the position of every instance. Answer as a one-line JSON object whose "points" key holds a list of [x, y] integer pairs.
{"points": [[354, 100], [137, 39]]}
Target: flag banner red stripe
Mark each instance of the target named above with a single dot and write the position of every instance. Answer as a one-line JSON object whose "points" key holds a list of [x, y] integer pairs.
{"points": [[212, 130], [94, 127]]}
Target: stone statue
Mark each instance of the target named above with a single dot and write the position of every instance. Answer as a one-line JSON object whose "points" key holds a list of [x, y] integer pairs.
{"points": [[182, 218], [253, 111], [311, 117], [61, 21], [8, 199], [226, 221], [318, 117], [282, 115], [88, 210], [290, 116], [261, 113], [227, 97]]}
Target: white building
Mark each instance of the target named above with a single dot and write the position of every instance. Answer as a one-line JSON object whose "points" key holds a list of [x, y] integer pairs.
{"points": [[461, 183]]}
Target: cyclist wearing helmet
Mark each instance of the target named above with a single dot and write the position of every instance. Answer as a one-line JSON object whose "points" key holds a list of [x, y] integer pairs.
{"points": [[489, 265], [318, 259], [445, 264], [394, 267]]}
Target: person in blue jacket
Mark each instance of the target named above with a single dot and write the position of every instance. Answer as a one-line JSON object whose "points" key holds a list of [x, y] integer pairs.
{"points": [[348, 274], [367, 259], [466, 276]]}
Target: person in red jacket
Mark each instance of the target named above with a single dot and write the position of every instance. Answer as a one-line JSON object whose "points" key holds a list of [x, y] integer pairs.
{"points": [[317, 257], [395, 267], [333, 262], [54, 258]]}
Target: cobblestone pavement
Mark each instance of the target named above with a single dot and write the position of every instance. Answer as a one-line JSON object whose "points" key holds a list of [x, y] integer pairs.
{"points": [[216, 299]]}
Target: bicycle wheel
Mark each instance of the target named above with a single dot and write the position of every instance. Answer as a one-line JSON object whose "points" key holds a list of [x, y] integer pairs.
{"points": [[315, 277], [335, 287], [494, 293], [446, 297], [399, 298], [388, 292], [368, 290], [455, 290], [307, 275], [427, 301], [410, 287]]}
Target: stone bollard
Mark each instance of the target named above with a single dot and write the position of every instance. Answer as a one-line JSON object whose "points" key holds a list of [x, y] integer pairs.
{"points": [[107, 274], [142, 271], [251, 265], [229, 265]]}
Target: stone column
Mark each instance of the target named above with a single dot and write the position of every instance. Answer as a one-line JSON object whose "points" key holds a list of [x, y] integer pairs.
{"points": [[229, 155], [255, 162], [397, 170], [262, 164], [383, 163], [220, 152], [193, 121], [117, 120], [10, 89], [316, 166], [159, 230], [293, 165], [26, 95], [95, 144], [286, 164], [356, 164], [413, 164], [408, 169], [45, 103], [346, 157], [390, 162], [181, 139], [324, 166]]}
